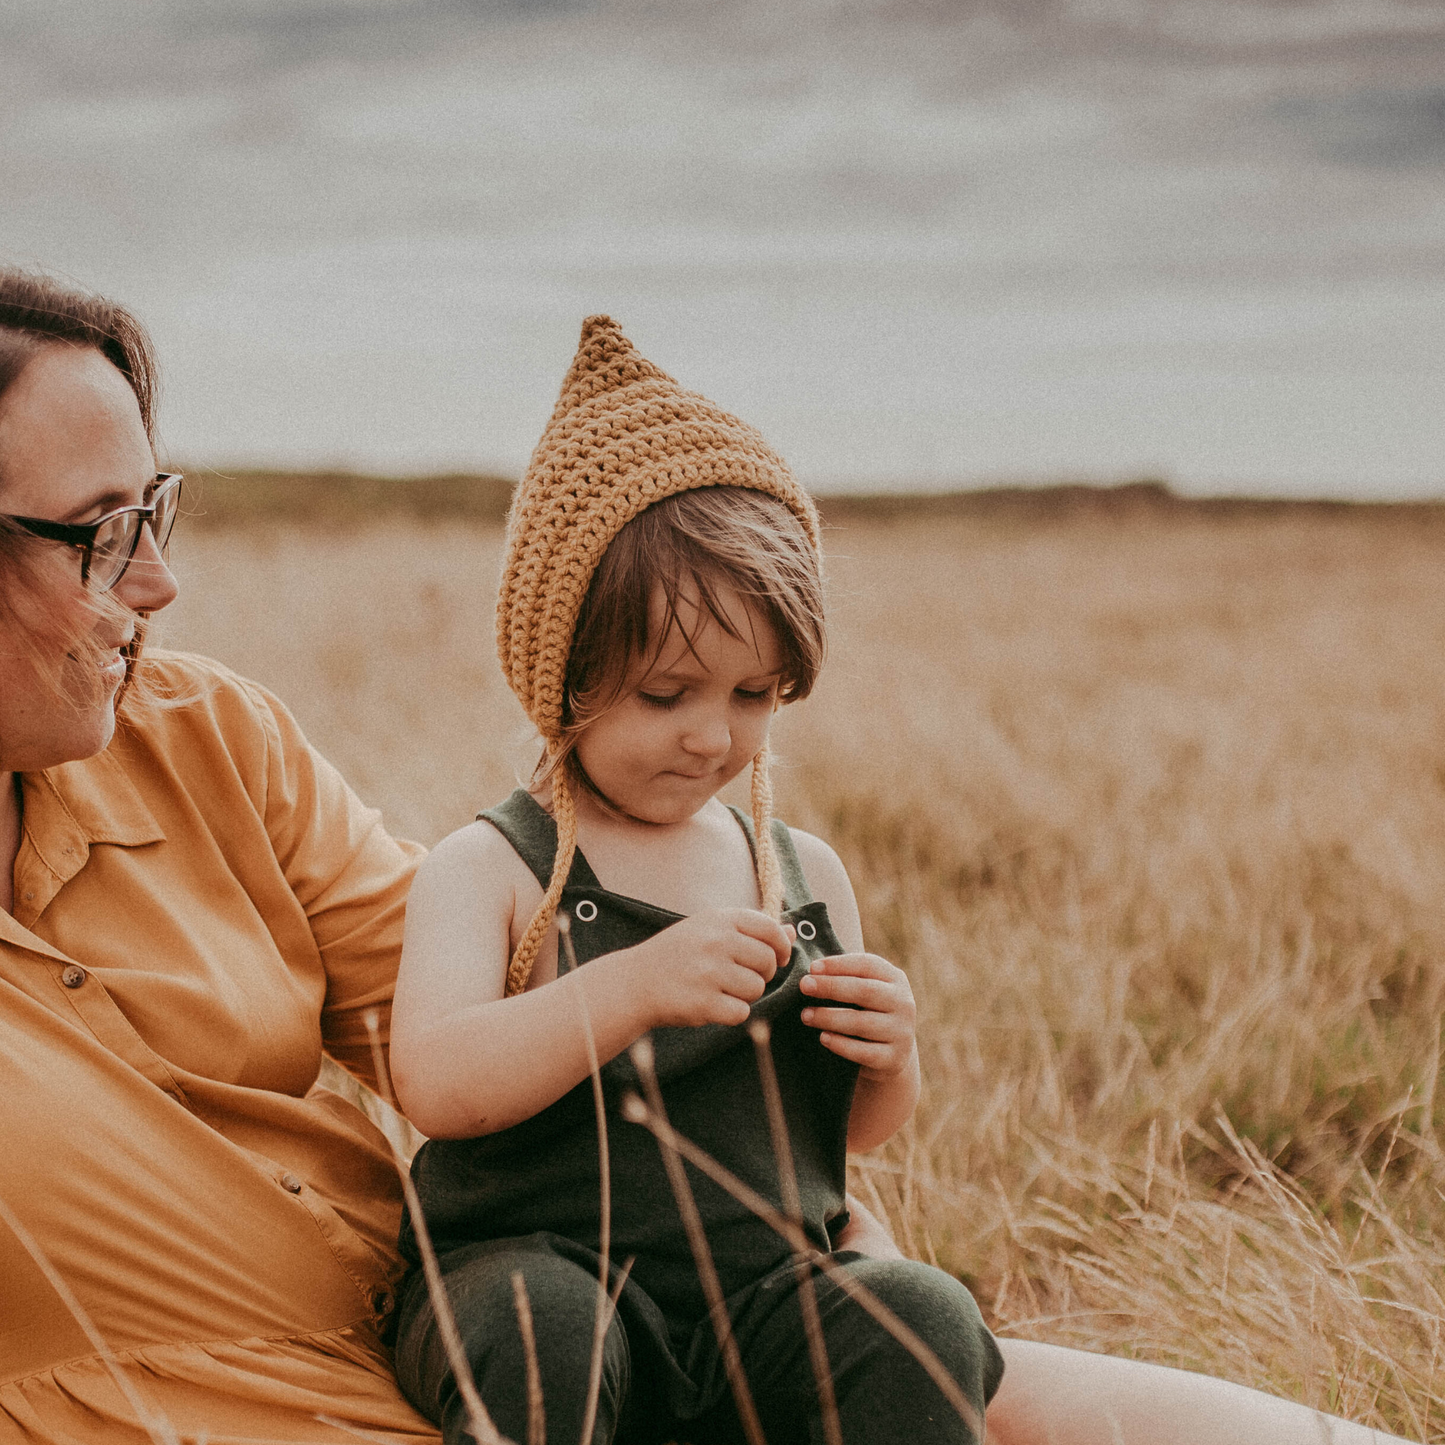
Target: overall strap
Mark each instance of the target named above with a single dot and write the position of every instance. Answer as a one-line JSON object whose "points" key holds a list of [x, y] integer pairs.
{"points": [[529, 828], [795, 885]]}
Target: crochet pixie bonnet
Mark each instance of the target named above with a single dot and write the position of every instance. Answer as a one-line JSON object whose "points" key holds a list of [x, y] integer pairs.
{"points": [[623, 435]]}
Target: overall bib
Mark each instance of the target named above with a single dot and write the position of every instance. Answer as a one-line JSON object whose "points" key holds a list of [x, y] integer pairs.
{"points": [[527, 1199]]}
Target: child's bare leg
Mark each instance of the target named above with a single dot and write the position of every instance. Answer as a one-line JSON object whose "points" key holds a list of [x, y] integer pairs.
{"points": [[1056, 1396]]}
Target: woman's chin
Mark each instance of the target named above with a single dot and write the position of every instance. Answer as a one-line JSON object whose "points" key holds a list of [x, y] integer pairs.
{"points": [[92, 728]]}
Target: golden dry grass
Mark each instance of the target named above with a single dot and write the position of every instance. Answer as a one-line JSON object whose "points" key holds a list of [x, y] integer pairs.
{"points": [[1152, 808]]}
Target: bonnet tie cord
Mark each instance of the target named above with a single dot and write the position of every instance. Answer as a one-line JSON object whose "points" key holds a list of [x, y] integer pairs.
{"points": [[770, 873], [564, 812]]}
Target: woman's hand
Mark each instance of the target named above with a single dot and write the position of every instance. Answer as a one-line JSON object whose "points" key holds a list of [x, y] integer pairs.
{"points": [[877, 1033], [709, 968]]}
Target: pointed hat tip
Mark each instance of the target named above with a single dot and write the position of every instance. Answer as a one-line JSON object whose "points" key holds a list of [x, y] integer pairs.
{"points": [[605, 360], [598, 325]]}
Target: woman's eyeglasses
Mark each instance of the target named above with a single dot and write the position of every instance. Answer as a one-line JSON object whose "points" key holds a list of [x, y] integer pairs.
{"points": [[107, 545]]}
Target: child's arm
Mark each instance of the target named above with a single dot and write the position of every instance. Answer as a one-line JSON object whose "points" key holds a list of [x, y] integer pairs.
{"points": [[467, 1061], [878, 1034]]}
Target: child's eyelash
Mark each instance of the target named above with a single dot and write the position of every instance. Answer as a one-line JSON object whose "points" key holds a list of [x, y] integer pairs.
{"points": [[652, 699], [752, 695]]}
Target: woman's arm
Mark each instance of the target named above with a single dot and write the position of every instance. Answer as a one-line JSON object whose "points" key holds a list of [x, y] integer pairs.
{"points": [[1051, 1395], [466, 1060], [877, 1033]]}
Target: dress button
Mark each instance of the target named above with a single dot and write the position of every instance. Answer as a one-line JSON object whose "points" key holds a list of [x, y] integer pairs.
{"points": [[291, 1184], [806, 931], [73, 975], [381, 1301], [586, 911]]}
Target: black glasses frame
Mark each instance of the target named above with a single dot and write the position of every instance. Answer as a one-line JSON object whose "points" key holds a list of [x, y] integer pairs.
{"points": [[82, 535]]}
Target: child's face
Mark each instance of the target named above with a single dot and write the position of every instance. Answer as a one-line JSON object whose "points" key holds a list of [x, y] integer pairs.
{"points": [[692, 720]]}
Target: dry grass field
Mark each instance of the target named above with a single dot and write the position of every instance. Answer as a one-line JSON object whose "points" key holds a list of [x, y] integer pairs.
{"points": [[1152, 808]]}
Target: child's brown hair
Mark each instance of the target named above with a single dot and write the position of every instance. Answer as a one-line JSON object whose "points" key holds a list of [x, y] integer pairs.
{"points": [[689, 549]]}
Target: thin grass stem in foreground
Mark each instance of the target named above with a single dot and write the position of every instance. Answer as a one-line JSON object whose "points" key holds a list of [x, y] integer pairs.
{"points": [[478, 1420], [762, 1037], [157, 1427], [603, 1317], [643, 1060], [636, 1111], [536, 1410]]}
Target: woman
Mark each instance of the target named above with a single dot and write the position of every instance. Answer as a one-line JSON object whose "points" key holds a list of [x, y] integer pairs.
{"points": [[193, 906]]}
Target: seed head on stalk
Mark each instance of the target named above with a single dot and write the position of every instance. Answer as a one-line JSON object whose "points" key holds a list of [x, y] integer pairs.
{"points": [[479, 1422]]}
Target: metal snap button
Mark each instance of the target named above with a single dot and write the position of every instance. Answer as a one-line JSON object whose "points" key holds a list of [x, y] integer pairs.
{"points": [[806, 931], [73, 975], [291, 1184], [585, 911]]}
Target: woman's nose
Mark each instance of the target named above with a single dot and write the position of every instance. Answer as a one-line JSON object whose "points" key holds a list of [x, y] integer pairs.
{"points": [[148, 583]]}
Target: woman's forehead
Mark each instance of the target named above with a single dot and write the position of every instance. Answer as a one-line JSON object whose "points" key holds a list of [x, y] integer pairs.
{"points": [[71, 437]]}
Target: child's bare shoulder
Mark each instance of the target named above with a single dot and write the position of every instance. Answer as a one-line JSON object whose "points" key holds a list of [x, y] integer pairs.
{"points": [[821, 865], [479, 857], [828, 880]]}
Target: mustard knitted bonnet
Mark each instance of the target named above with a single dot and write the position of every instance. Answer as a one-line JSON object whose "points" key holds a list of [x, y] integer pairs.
{"points": [[623, 435]]}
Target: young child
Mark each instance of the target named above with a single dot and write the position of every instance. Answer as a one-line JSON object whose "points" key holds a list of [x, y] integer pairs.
{"points": [[661, 598]]}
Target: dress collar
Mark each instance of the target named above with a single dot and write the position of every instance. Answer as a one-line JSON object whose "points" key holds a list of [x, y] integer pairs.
{"points": [[67, 809]]}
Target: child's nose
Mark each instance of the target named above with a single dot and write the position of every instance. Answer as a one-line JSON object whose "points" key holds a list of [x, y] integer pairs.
{"points": [[710, 739]]}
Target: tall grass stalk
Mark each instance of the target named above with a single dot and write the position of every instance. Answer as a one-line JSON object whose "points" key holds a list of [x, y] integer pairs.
{"points": [[479, 1422], [637, 1111], [536, 1405], [158, 1429], [603, 1316], [642, 1056], [762, 1039]]}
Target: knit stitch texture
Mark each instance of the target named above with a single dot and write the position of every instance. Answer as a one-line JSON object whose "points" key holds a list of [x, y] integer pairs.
{"points": [[623, 435]]}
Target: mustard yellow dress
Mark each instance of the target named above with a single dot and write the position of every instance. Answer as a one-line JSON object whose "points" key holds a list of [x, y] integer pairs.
{"points": [[201, 911]]}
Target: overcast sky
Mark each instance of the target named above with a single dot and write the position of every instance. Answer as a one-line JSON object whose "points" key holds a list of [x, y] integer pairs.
{"points": [[917, 242]]}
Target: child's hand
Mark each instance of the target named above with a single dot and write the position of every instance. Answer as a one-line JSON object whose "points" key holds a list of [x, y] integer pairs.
{"points": [[878, 1033], [711, 967]]}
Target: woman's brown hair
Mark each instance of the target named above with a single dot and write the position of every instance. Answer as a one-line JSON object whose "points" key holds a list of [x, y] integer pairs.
{"points": [[36, 311]]}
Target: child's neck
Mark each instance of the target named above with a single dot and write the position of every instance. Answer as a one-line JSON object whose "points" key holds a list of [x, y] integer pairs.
{"points": [[685, 867]]}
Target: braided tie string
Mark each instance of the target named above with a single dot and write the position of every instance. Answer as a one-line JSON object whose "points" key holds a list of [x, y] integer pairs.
{"points": [[770, 874], [564, 813]]}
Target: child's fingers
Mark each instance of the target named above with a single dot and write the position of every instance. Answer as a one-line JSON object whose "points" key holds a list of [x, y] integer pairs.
{"points": [[743, 982], [859, 1051], [874, 993], [765, 930], [856, 965], [755, 954], [856, 1023]]}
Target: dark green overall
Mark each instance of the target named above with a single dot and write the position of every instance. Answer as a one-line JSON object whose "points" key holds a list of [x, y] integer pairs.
{"points": [[526, 1198]]}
